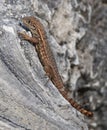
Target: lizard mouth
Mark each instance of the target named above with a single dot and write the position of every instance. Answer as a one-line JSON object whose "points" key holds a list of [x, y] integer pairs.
{"points": [[24, 26]]}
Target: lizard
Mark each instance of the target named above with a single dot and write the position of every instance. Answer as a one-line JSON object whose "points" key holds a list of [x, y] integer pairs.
{"points": [[45, 54]]}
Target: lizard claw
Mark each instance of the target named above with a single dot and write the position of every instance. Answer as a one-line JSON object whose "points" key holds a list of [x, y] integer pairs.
{"points": [[23, 35]]}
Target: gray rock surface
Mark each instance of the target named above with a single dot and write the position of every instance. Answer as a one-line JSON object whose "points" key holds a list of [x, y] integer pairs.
{"points": [[92, 85], [76, 32]]}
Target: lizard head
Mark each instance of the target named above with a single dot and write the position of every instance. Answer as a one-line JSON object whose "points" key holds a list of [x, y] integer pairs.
{"points": [[32, 24], [29, 22]]}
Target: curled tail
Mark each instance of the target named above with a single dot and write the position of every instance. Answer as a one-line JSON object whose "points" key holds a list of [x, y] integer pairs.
{"points": [[75, 104]]}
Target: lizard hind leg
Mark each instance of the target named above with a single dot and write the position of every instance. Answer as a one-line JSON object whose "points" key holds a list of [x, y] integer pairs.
{"points": [[48, 71]]}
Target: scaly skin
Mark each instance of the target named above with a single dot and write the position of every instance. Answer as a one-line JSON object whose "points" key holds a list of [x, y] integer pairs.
{"points": [[45, 54]]}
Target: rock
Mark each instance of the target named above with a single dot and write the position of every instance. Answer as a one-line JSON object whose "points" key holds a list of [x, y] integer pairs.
{"points": [[27, 100]]}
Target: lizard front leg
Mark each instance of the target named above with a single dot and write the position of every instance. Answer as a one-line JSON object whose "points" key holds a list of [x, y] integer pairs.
{"points": [[26, 37]]}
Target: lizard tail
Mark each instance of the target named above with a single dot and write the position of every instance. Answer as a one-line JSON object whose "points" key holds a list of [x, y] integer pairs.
{"points": [[80, 108], [75, 104]]}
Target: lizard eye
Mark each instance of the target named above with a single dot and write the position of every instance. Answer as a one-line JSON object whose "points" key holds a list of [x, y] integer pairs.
{"points": [[28, 21]]}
